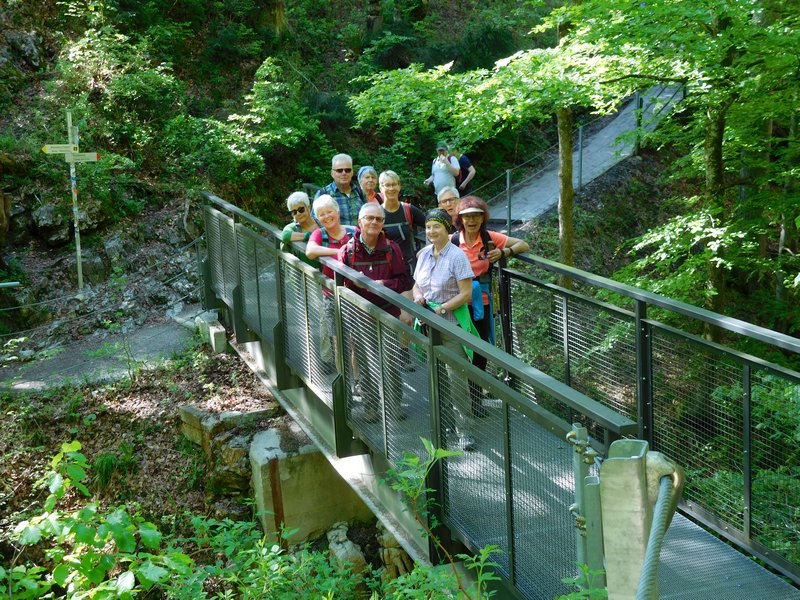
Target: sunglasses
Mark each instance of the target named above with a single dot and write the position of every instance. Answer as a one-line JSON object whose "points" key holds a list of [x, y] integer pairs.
{"points": [[345, 170], [298, 211]]}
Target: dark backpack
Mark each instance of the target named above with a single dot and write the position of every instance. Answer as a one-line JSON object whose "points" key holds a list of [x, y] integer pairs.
{"points": [[460, 176], [351, 231], [351, 250]]}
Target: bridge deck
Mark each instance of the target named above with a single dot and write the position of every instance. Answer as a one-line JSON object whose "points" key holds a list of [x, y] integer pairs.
{"points": [[694, 563]]}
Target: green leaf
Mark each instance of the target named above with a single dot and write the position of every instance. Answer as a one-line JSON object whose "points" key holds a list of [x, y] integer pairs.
{"points": [[125, 540], [150, 536], [179, 562], [96, 575], [72, 446], [75, 472], [30, 535], [125, 582], [56, 484], [150, 574], [84, 534], [60, 574]]}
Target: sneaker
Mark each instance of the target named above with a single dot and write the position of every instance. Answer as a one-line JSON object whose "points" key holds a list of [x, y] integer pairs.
{"points": [[466, 443], [357, 388]]}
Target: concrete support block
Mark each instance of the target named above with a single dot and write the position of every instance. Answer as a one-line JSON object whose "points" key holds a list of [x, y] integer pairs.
{"points": [[299, 489], [218, 337]]}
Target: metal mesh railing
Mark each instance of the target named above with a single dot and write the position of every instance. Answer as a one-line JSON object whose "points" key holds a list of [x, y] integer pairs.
{"points": [[698, 428], [736, 442]]}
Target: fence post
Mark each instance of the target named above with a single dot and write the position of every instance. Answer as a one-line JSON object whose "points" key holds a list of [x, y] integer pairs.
{"points": [[644, 372], [747, 455], [580, 156], [508, 201], [638, 121]]}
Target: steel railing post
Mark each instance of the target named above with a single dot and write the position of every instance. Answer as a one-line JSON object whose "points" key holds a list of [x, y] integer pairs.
{"points": [[644, 372], [508, 200], [580, 156], [639, 103], [747, 455]]}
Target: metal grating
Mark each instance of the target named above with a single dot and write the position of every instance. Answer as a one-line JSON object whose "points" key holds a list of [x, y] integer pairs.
{"points": [[363, 373], [227, 240], [215, 250], [775, 457], [405, 372], [698, 424], [269, 315], [602, 356], [248, 271], [475, 503], [544, 488], [535, 321], [295, 330], [322, 352], [697, 566]]}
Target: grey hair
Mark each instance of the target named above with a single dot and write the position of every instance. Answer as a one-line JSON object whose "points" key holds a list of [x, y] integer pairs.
{"points": [[364, 207], [297, 199], [448, 188], [325, 201], [339, 157], [388, 175]]}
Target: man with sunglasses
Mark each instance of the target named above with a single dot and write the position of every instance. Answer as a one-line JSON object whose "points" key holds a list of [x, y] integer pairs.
{"points": [[347, 193]]}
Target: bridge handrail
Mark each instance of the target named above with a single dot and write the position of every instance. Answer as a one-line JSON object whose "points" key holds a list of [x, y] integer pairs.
{"points": [[616, 423], [580, 328], [731, 324]]}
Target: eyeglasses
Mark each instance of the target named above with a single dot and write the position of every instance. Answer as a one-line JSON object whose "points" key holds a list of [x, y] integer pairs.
{"points": [[373, 219], [345, 170], [389, 186], [298, 211], [448, 200]]}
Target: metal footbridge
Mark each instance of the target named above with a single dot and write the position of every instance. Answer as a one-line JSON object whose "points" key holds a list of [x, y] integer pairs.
{"points": [[621, 362]]}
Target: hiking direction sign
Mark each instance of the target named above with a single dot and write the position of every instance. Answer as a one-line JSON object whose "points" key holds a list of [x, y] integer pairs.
{"points": [[72, 156]]}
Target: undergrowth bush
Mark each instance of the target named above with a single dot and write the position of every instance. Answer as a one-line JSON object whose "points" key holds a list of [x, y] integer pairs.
{"points": [[94, 552]]}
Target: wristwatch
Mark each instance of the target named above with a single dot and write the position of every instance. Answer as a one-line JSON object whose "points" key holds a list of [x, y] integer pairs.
{"points": [[442, 310]]}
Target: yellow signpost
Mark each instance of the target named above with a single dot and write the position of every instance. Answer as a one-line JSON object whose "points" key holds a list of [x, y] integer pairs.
{"points": [[72, 156]]}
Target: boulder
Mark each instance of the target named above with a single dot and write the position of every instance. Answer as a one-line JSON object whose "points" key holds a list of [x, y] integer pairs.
{"points": [[52, 224], [25, 47]]}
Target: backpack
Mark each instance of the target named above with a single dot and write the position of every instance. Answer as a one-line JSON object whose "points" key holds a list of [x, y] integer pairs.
{"points": [[460, 176], [351, 251], [351, 231]]}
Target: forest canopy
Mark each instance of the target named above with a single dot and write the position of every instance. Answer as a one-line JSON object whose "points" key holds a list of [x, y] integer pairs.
{"points": [[250, 99]]}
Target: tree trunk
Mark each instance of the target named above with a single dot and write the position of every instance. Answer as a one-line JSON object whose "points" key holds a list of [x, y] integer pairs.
{"points": [[715, 169], [566, 193], [274, 15], [374, 17]]}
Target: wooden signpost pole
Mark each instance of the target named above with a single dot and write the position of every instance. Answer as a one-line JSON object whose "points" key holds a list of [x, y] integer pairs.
{"points": [[72, 156]]}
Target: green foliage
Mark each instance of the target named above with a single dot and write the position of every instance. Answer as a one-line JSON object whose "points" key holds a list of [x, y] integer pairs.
{"points": [[585, 591], [108, 464], [410, 479], [91, 552]]}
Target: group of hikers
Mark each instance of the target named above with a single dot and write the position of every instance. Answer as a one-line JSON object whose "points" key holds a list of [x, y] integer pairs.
{"points": [[372, 232]]}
